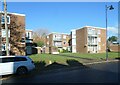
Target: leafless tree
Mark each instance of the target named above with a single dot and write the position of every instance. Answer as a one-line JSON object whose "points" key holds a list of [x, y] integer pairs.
{"points": [[39, 35]]}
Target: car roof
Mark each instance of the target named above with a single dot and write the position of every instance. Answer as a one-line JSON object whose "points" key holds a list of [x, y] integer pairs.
{"points": [[11, 56]]}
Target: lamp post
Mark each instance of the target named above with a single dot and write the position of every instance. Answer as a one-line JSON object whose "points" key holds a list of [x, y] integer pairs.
{"points": [[110, 8], [6, 28]]}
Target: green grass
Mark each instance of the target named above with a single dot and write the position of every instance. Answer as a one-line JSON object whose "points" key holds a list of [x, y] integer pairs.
{"points": [[63, 57], [49, 57], [111, 55]]}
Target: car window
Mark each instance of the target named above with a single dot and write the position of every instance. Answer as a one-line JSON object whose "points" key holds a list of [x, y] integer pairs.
{"points": [[20, 59], [12, 59]]}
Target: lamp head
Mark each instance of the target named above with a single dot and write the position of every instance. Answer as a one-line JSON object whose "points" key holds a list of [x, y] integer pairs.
{"points": [[111, 7]]}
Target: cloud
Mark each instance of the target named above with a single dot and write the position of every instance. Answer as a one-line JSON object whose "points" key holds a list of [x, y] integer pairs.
{"points": [[113, 30]]}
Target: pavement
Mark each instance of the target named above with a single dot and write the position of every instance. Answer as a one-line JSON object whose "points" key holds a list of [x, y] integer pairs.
{"points": [[97, 72]]}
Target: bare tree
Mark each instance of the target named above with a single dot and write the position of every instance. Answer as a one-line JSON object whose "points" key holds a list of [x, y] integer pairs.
{"points": [[39, 36]]}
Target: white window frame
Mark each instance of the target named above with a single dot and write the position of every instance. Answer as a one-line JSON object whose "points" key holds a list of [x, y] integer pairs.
{"points": [[99, 39], [4, 33], [4, 20], [99, 31], [5, 47], [64, 36]]}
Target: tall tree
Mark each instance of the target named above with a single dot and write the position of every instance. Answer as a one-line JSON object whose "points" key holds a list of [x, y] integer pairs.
{"points": [[112, 38], [17, 34]]}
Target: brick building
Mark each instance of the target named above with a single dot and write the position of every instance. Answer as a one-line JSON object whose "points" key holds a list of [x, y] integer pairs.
{"points": [[16, 33], [88, 39], [59, 40]]}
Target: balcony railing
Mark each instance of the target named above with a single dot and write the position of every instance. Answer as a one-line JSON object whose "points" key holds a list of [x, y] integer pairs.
{"points": [[92, 35], [92, 43], [57, 39]]}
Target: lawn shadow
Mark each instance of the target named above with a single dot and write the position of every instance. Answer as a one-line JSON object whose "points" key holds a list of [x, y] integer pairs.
{"points": [[54, 66], [42, 68], [39, 67], [75, 63], [118, 58]]}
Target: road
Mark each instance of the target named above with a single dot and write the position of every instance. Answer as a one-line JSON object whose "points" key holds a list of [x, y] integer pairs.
{"points": [[96, 73]]}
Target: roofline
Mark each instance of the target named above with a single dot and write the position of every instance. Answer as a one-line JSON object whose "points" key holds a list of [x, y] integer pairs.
{"points": [[14, 13], [90, 27], [28, 30], [96, 27], [57, 33]]}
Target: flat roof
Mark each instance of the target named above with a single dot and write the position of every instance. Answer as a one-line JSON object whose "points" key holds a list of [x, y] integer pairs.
{"points": [[88, 27], [13, 13], [58, 33]]}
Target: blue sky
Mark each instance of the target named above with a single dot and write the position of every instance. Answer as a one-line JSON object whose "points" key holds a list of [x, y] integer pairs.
{"points": [[62, 17]]}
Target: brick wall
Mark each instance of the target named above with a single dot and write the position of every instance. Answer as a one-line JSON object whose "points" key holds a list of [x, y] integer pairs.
{"points": [[115, 48], [81, 40], [102, 43]]}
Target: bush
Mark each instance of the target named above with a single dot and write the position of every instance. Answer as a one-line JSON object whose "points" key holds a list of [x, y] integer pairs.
{"points": [[40, 43], [63, 51]]}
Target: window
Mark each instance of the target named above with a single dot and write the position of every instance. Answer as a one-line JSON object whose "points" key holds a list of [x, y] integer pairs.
{"points": [[57, 37], [20, 59], [3, 20], [5, 60], [4, 33], [47, 36], [29, 35], [74, 34], [58, 44], [13, 59], [99, 32], [99, 39], [64, 36], [4, 47], [73, 41]]}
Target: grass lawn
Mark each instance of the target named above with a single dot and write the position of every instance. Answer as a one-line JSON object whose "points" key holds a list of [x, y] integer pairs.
{"points": [[98, 56], [63, 57]]}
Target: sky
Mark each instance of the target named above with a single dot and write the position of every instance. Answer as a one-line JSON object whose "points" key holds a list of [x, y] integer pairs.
{"points": [[64, 16]]}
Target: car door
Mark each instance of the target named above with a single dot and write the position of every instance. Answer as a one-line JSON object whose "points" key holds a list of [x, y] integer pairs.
{"points": [[7, 66]]}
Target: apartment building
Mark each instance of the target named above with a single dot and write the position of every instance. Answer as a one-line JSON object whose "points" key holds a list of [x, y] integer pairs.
{"points": [[59, 40], [16, 33], [88, 39]]}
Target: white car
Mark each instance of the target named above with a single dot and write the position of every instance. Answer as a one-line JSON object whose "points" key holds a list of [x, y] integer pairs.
{"points": [[15, 64]]}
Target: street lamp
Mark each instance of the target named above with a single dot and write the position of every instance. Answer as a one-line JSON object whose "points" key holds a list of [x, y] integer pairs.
{"points": [[110, 8], [6, 27]]}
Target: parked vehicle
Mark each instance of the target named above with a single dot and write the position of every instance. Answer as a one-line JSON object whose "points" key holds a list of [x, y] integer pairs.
{"points": [[15, 64]]}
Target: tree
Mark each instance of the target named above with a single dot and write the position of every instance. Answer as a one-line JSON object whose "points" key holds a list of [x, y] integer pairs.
{"points": [[112, 38], [17, 33], [39, 36]]}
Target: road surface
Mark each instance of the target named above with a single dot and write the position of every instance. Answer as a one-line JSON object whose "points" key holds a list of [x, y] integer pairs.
{"points": [[96, 73]]}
